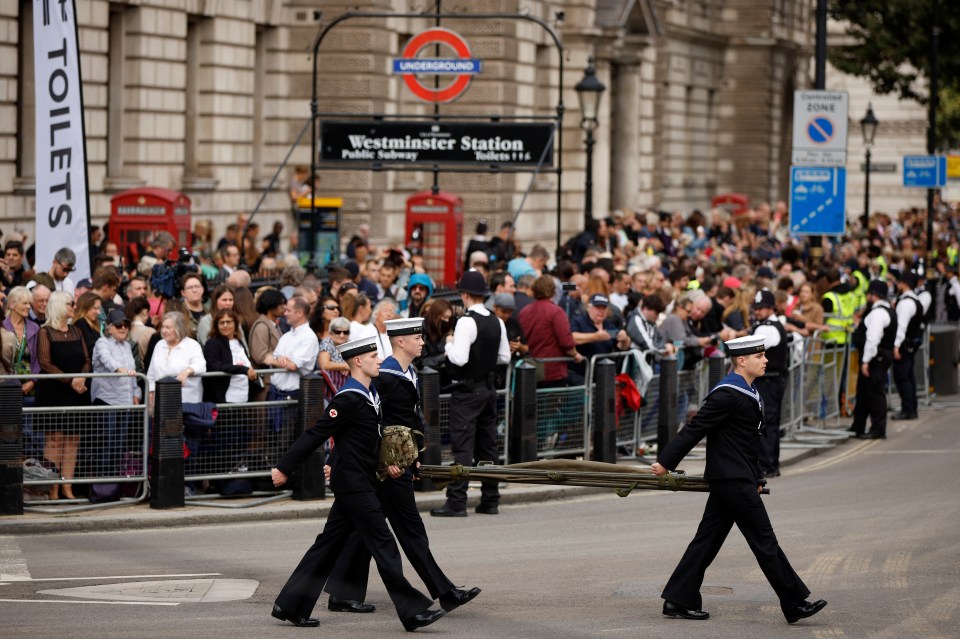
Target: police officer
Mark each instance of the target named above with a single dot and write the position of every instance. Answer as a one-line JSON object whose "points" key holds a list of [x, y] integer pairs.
{"points": [[479, 342], [398, 388], [773, 383], [732, 417], [910, 326], [353, 420], [874, 338]]}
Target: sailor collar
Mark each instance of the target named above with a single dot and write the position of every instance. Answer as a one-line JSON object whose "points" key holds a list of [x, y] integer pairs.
{"points": [[353, 386], [391, 366], [739, 384]]}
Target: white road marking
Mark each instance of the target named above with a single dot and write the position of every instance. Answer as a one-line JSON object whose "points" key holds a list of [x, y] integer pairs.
{"points": [[72, 601], [915, 452], [28, 578], [13, 567]]}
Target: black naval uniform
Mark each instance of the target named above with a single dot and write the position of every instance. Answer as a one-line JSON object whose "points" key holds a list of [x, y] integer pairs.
{"points": [[400, 399], [353, 419], [473, 409], [772, 387], [732, 417], [872, 388]]}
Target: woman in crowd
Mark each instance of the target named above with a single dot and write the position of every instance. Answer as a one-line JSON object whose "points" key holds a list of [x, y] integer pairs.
{"points": [[736, 309], [222, 298], [226, 353], [137, 311], [329, 360], [177, 355], [246, 308], [61, 350], [113, 354], [20, 350], [192, 289], [358, 310], [86, 317], [326, 310], [808, 310], [264, 334]]}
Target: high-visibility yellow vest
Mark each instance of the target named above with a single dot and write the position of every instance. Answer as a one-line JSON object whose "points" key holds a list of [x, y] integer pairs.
{"points": [[840, 320], [860, 292], [952, 255]]}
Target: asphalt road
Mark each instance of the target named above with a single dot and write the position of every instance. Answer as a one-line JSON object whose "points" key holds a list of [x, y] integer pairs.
{"points": [[873, 527]]}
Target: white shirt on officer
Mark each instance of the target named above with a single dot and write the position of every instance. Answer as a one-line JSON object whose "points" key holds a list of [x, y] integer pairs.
{"points": [[875, 323], [458, 351]]}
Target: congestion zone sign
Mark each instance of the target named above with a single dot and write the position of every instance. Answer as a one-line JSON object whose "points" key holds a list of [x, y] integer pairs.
{"points": [[463, 67]]}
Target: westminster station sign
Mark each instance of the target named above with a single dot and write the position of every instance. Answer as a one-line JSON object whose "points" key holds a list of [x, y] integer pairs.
{"points": [[487, 143]]}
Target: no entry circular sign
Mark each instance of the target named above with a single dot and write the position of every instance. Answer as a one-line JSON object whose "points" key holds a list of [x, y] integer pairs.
{"points": [[462, 67]]}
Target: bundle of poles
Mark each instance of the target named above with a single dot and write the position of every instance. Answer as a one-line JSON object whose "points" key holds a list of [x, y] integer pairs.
{"points": [[572, 472]]}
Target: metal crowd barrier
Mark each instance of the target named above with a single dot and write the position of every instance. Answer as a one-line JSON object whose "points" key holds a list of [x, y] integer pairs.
{"points": [[111, 455]]}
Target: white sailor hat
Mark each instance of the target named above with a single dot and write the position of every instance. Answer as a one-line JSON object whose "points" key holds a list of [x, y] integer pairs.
{"points": [[358, 347], [406, 326], [744, 345]]}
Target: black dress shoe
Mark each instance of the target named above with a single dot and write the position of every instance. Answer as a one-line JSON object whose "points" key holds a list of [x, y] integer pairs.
{"points": [[444, 511], [486, 509], [348, 605], [283, 615], [456, 597], [804, 610], [871, 435], [771, 473], [425, 618], [673, 610], [902, 415]]}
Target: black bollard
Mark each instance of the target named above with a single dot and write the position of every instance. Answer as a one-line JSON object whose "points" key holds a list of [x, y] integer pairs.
{"points": [[716, 369], [166, 445], [11, 448], [523, 415], [604, 413], [308, 482], [430, 407], [667, 416]]}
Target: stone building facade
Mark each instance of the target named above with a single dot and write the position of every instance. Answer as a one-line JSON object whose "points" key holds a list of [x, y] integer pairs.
{"points": [[207, 97]]}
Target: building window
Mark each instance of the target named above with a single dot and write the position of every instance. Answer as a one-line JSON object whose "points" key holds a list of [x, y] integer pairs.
{"points": [[261, 58], [192, 97], [115, 89], [26, 101]]}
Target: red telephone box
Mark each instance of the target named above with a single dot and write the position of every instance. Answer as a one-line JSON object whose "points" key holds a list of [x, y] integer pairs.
{"points": [[735, 203], [435, 228], [137, 214]]}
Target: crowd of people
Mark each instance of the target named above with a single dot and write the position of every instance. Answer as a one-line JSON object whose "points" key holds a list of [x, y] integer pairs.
{"points": [[662, 284]]}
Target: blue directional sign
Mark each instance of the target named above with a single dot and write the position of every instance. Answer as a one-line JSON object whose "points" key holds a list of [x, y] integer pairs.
{"points": [[925, 171], [818, 200]]}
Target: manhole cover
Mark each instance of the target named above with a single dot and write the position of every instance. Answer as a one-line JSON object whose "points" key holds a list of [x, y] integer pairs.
{"points": [[174, 590]]}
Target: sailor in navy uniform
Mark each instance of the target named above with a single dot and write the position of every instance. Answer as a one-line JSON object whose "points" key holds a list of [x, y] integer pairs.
{"points": [[732, 417], [773, 383], [353, 419], [398, 387]]}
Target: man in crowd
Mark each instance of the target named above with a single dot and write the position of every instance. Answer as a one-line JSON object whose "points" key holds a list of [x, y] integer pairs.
{"points": [[479, 342], [419, 290], [522, 297], [12, 268], [38, 309], [230, 256], [296, 352], [548, 335], [64, 263]]}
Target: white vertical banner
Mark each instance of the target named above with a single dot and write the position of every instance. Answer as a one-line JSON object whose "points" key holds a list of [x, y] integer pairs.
{"points": [[62, 198]]}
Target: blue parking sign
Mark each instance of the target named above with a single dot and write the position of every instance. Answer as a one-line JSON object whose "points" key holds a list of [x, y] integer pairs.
{"points": [[818, 200], [925, 171]]}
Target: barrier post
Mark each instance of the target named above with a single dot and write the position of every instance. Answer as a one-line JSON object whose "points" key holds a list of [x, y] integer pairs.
{"points": [[308, 482], [523, 428], [604, 412], [430, 403], [716, 364], [667, 415], [166, 452], [11, 448]]}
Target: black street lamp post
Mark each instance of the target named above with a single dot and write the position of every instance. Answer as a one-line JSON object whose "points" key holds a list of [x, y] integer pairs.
{"points": [[589, 91], [868, 126]]}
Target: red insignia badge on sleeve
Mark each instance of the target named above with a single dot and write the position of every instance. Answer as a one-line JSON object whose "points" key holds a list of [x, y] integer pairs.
{"points": [[333, 413]]}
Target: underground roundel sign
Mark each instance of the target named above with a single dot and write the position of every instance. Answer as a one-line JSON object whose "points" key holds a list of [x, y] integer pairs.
{"points": [[462, 67]]}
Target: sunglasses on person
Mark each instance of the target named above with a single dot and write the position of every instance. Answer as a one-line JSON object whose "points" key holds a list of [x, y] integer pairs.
{"points": [[66, 267], [335, 332]]}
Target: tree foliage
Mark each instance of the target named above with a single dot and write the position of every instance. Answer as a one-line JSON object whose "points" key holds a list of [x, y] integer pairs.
{"points": [[890, 46]]}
